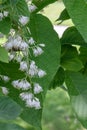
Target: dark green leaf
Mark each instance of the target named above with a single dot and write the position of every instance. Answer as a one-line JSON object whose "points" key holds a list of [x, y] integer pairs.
{"points": [[70, 59], [34, 117], [72, 36], [41, 4], [77, 10], [9, 109], [83, 54], [22, 8], [63, 16], [5, 25], [11, 70], [58, 78]]}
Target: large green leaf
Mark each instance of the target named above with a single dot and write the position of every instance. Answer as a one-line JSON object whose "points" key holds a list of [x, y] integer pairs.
{"points": [[70, 58], [5, 26], [3, 55], [77, 10], [9, 109], [77, 88], [43, 32], [7, 126]]}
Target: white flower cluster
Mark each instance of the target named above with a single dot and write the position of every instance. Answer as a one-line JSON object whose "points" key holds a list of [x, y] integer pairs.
{"points": [[22, 51], [3, 14], [31, 101], [16, 43], [21, 84], [29, 98], [35, 71]]}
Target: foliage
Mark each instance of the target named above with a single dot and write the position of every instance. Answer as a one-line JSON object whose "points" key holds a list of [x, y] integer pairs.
{"points": [[33, 60]]}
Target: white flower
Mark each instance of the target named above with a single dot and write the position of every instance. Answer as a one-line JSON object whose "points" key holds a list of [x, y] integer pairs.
{"points": [[24, 20], [23, 66], [26, 96], [8, 45], [37, 51], [41, 73], [33, 69], [36, 103], [5, 13], [37, 88], [23, 45], [31, 41], [33, 103], [24, 85], [21, 84], [6, 78], [5, 90], [32, 8], [30, 103], [15, 83]]}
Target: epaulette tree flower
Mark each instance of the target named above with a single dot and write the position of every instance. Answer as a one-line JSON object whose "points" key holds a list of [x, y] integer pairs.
{"points": [[33, 59]]}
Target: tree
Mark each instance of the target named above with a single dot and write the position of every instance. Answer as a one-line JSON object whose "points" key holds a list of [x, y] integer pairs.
{"points": [[34, 59]]}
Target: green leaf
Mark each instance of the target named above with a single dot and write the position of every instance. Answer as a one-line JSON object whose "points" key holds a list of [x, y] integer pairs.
{"points": [[34, 117], [3, 55], [77, 10], [2, 1], [63, 16], [70, 58], [43, 32], [58, 79], [7, 126], [9, 109], [72, 36], [83, 54], [41, 4], [11, 70], [22, 8], [77, 89], [5, 26]]}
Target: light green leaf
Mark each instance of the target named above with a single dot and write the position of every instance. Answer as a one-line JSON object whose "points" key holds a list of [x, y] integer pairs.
{"points": [[9, 109], [77, 89], [7, 126], [77, 10], [3, 55]]}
